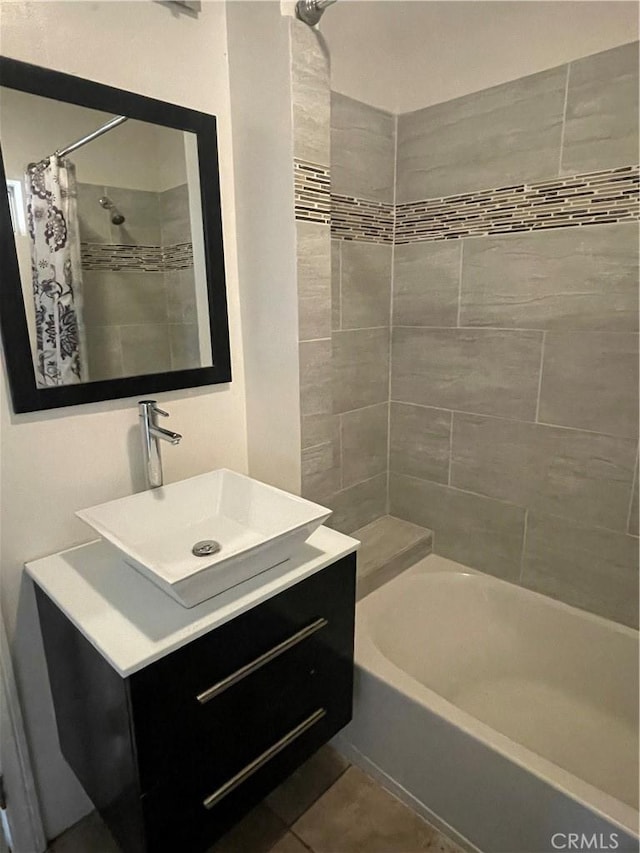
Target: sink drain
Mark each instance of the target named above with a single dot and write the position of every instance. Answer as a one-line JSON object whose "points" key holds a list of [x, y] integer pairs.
{"points": [[206, 548]]}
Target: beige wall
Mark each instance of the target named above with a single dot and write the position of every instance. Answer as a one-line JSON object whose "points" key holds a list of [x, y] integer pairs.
{"points": [[137, 155], [403, 55], [260, 75], [55, 462]]}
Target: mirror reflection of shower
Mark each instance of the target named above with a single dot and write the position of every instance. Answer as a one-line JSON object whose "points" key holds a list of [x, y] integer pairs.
{"points": [[310, 11], [116, 217]]}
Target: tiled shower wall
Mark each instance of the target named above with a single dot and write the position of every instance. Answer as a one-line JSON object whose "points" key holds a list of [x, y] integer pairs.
{"points": [[362, 173], [344, 289], [514, 389], [503, 232], [138, 282]]}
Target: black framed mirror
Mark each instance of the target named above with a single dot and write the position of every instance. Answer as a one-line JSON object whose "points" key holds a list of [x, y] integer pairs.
{"points": [[111, 250]]}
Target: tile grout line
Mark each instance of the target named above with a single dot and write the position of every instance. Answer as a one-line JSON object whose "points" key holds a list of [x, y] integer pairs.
{"points": [[341, 443], [362, 482], [578, 522], [450, 447], [312, 340], [524, 544], [510, 419], [361, 329], [457, 326], [360, 408], [544, 337], [391, 293], [339, 288], [633, 486], [493, 329], [564, 118]]}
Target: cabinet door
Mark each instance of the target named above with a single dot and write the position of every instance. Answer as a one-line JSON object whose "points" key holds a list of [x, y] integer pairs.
{"points": [[211, 708]]}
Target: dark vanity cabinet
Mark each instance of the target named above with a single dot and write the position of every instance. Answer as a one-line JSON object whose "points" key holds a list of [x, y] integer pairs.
{"points": [[173, 755]]}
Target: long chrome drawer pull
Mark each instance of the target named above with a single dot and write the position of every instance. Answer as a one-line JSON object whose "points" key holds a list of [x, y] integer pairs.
{"points": [[241, 673], [261, 760]]}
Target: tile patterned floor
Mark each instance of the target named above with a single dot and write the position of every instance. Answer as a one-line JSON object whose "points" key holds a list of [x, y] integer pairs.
{"points": [[326, 806]]}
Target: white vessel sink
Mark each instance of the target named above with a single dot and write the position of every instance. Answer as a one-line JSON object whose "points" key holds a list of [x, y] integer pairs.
{"points": [[256, 526]]}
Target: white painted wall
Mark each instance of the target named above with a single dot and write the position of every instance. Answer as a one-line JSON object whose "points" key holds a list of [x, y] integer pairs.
{"points": [[55, 462], [260, 71], [402, 55]]}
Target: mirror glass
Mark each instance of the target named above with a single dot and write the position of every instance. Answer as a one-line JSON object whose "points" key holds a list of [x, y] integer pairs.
{"points": [[109, 240]]}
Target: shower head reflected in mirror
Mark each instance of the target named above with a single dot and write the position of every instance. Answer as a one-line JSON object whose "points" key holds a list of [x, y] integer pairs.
{"points": [[310, 11], [116, 217]]}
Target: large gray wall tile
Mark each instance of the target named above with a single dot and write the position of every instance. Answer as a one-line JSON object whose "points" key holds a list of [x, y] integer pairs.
{"points": [[319, 428], [426, 279], [484, 371], [503, 135], [175, 217], [579, 475], [94, 220], [145, 349], [588, 567], [419, 442], [590, 381], [366, 285], [476, 531], [181, 296], [120, 298], [314, 280], [310, 95], [359, 505], [141, 210], [360, 368], [320, 471], [601, 126], [568, 278], [362, 149], [104, 353], [364, 443], [315, 378], [185, 346]]}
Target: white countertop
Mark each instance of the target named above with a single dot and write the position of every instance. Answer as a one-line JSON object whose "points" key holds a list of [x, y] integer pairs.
{"points": [[132, 623]]}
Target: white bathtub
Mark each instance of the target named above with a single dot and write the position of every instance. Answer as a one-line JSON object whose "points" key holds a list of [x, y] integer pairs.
{"points": [[507, 717]]}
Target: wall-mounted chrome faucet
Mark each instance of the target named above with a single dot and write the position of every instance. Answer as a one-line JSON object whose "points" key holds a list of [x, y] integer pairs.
{"points": [[151, 435]]}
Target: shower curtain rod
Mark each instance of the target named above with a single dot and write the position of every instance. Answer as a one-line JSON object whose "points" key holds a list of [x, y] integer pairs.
{"points": [[62, 152]]}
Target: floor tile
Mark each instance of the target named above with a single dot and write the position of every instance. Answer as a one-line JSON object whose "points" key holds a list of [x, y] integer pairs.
{"points": [[357, 816], [89, 835], [257, 832], [307, 784], [288, 844]]}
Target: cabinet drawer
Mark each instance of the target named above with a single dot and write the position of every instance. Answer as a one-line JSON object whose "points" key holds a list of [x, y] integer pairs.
{"points": [[222, 697], [184, 814]]}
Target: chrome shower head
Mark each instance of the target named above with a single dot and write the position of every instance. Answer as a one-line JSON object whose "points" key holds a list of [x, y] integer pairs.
{"points": [[116, 217], [310, 11]]}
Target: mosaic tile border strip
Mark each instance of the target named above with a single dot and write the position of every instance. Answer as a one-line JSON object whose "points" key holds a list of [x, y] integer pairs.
{"points": [[587, 199], [361, 219], [121, 258], [312, 192], [178, 256]]}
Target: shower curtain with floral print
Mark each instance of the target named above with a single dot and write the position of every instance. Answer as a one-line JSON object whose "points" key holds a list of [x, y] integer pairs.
{"points": [[56, 272]]}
